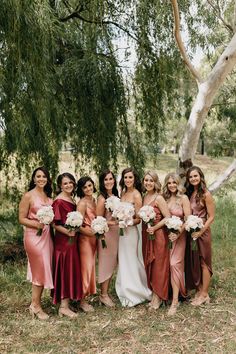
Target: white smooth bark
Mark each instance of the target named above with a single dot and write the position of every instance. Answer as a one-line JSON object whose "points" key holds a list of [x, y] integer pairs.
{"points": [[223, 178]]}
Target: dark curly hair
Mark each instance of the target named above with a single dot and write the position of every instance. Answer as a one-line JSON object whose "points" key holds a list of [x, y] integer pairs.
{"points": [[102, 188], [201, 190], [81, 183], [59, 182], [48, 188], [137, 182]]}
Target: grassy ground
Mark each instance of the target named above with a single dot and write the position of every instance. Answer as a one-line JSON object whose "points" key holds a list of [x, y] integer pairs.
{"points": [[208, 329]]}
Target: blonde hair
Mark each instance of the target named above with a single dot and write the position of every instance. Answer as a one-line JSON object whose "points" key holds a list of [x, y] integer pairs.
{"points": [[180, 188], [157, 183]]}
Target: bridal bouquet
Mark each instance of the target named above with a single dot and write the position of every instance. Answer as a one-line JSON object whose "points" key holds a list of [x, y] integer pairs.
{"points": [[99, 226], [147, 214], [124, 212], [112, 203], [173, 224], [74, 220], [45, 216], [193, 224]]}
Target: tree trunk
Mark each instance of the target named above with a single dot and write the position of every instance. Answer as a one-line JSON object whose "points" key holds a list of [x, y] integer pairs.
{"points": [[223, 178]]}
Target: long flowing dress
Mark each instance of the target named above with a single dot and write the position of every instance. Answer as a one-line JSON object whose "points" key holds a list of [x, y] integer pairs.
{"points": [[131, 281], [39, 249], [67, 273], [87, 251], [193, 258], [107, 257], [177, 253], [156, 258]]}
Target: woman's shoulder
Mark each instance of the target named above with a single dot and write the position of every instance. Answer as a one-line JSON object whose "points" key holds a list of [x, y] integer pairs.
{"points": [[101, 198], [184, 198]]}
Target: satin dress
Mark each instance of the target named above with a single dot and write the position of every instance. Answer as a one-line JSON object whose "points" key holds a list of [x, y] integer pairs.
{"points": [[156, 257], [67, 273], [194, 258], [177, 253], [39, 249], [87, 251], [107, 257], [131, 281]]}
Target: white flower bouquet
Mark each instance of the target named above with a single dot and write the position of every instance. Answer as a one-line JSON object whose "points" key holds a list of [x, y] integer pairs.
{"points": [[193, 224], [74, 220], [147, 214], [112, 203], [99, 226], [45, 216], [124, 213], [173, 225]]}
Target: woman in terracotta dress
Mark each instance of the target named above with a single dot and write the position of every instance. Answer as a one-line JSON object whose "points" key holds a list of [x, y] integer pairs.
{"points": [[178, 204], [87, 241], [39, 249], [107, 257], [198, 262], [67, 274], [155, 252]]}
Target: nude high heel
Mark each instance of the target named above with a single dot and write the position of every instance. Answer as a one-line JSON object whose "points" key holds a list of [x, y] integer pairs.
{"points": [[201, 300], [39, 313], [65, 311], [106, 300]]}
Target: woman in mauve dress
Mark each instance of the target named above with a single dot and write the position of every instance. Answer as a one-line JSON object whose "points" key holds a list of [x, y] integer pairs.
{"points": [[178, 204], [87, 241], [67, 274], [155, 252], [39, 249], [198, 267], [107, 257]]}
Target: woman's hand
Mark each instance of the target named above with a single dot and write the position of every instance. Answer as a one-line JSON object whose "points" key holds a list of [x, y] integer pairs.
{"points": [[196, 235], [71, 233], [151, 230], [173, 236]]}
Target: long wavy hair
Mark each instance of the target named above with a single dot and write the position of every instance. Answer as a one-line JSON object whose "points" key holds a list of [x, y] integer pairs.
{"points": [[81, 183], [102, 188], [180, 188], [201, 190], [157, 183], [137, 182], [48, 187], [59, 182]]}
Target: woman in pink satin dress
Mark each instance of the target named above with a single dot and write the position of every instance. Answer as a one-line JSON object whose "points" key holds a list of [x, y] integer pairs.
{"points": [[67, 274], [155, 252], [39, 249], [107, 257], [198, 262], [87, 241], [178, 205]]}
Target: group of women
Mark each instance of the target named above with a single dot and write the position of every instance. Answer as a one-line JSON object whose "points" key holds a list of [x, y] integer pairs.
{"points": [[148, 270]]}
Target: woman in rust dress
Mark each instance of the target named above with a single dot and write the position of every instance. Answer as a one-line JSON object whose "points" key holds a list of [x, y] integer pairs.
{"points": [[87, 241], [67, 274], [155, 252], [178, 204], [39, 249], [107, 257], [198, 262]]}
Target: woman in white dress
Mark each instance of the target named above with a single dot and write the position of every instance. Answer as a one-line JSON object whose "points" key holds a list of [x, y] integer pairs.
{"points": [[131, 281]]}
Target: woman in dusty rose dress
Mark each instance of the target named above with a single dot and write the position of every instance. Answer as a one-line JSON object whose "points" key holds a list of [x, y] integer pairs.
{"points": [[178, 204], [155, 252], [107, 257], [67, 274], [198, 262], [39, 249], [87, 241]]}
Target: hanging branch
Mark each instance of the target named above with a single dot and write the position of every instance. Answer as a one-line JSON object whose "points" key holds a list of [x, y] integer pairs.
{"points": [[180, 43], [219, 15]]}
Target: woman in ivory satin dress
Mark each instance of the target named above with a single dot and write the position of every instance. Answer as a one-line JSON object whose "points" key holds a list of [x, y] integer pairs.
{"points": [[131, 281], [178, 204], [155, 252], [39, 249], [87, 242], [67, 274], [107, 257], [198, 263]]}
